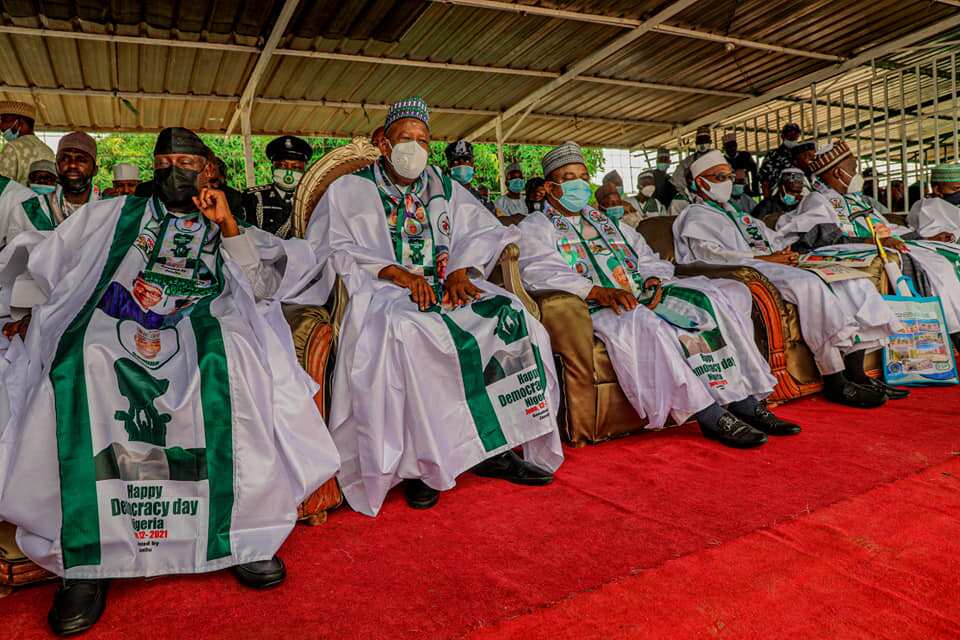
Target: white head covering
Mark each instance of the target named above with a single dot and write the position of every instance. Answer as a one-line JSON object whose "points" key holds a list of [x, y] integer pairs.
{"points": [[709, 159], [125, 171]]}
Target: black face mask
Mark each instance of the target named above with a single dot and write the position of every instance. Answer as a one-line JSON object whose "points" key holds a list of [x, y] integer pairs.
{"points": [[176, 187], [953, 198], [75, 186]]}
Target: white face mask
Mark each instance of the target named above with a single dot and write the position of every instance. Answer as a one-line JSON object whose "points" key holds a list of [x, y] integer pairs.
{"points": [[790, 144], [720, 191], [648, 190], [409, 159], [856, 184]]}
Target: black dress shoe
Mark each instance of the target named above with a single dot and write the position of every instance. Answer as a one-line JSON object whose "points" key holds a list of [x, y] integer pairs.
{"points": [[419, 495], [261, 574], [764, 420], [77, 606], [734, 432], [856, 395], [894, 393], [512, 468]]}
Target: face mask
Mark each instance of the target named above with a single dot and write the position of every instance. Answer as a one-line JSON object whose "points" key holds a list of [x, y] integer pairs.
{"points": [[409, 159], [738, 189], [614, 212], [648, 190], [43, 189], [663, 166], [790, 144], [731, 150], [720, 191], [537, 206], [953, 198], [856, 184], [705, 146], [576, 194], [462, 173], [789, 199], [176, 187], [75, 185], [516, 185], [10, 135], [287, 179]]}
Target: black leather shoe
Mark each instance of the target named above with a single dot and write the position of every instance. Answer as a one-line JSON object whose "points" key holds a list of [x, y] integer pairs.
{"points": [[894, 393], [856, 395], [77, 606], [512, 468], [764, 420], [419, 495], [734, 432], [262, 574]]}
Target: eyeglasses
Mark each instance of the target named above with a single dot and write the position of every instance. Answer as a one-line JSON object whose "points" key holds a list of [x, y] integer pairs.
{"points": [[722, 176]]}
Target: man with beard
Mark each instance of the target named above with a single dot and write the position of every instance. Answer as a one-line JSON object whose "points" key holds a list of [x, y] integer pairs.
{"points": [[193, 437], [76, 166]]}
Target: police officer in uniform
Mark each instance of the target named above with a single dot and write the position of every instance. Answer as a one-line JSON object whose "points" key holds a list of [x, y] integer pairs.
{"points": [[270, 206], [460, 167]]}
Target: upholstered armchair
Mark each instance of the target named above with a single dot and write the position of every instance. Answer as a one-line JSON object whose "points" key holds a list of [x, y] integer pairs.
{"points": [[316, 330]]}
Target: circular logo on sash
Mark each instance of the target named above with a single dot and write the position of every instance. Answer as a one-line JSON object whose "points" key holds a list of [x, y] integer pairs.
{"points": [[561, 224], [630, 264], [581, 267], [596, 216], [443, 223], [413, 227], [187, 226], [746, 220]]}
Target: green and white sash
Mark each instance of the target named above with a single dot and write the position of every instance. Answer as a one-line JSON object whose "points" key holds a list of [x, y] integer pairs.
{"points": [[846, 208], [143, 406], [747, 225]]}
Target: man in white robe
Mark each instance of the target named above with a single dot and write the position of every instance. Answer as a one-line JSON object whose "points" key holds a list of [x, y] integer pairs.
{"points": [[167, 427], [937, 217], [437, 369], [512, 203], [680, 347], [839, 322], [835, 214], [20, 210]]}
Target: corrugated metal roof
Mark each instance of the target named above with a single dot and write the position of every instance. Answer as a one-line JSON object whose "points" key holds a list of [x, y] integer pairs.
{"points": [[104, 85]]}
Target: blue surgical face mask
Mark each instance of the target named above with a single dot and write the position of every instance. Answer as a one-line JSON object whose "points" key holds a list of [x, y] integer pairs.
{"points": [[462, 173], [576, 194], [738, 189], [789, 199], [43, 189], [516, 185], [10, 135], [614, 212], [663, 166]]}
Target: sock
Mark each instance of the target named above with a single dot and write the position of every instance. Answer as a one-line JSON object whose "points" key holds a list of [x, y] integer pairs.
{"points": [[834, 381], [746, 407], [709, 417], [853, 364]]}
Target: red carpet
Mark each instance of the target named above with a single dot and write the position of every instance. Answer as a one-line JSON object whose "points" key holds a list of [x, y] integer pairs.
{"points": [[850, 530]]}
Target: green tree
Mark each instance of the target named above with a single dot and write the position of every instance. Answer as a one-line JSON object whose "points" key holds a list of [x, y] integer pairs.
{"points": [[137, 148]]}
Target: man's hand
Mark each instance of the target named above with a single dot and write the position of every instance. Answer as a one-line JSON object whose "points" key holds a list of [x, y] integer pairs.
{"points": [[943, 236], [420, 290], [613, 298], [459, 290], [212, 203], [19, 328], [657, 284], [896, 244], [786, 256]]}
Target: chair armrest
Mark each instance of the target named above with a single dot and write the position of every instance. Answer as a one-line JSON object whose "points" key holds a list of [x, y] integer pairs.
{"points": [[567, 320], [753, 279], [510, 271], [312, 334]]}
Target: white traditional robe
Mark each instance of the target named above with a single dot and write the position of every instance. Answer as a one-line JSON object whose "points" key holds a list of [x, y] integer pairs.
{"points": [[507, 206], [162, 430], [20, 210], [827, 206], [646, 351], [412, 397], [931, 216], [834, 320]]}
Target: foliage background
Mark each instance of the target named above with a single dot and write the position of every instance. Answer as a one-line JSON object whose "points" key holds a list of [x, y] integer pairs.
{"points": [[138, 149]]}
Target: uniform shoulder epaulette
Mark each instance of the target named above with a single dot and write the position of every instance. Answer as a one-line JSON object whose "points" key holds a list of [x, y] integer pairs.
{"points": [[259, 187]]}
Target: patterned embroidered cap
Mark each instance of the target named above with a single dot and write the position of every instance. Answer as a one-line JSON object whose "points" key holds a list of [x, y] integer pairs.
{"points": [[567, 153], [413, 107], [945, 173], [14, 108], [829, 155]]}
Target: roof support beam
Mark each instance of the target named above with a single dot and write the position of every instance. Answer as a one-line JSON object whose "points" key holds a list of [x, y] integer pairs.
{"points": [[630, 23], [279, 28], [587, 62], [817, 76], [135, 40]]}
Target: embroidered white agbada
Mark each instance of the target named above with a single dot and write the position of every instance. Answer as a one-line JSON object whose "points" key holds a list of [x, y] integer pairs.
{"points": [[940, 262], [697, 346], [430, 394], [834, 320], [166, 427], [931, 216]]}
